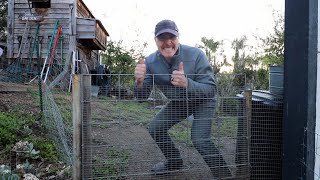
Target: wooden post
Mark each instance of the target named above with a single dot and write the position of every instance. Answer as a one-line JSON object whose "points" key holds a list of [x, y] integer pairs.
{"points": [[76, 118], [248, 99], [72, 26], [10, 25], [86, 126], [243, 136]]}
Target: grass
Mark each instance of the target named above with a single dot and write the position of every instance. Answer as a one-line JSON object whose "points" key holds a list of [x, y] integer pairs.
{"points": [[112, 164], [131, 111], [182, 132], [226, 128]]}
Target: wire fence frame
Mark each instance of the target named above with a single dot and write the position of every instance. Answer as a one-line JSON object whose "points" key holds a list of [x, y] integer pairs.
{"points": [[89, 168]]}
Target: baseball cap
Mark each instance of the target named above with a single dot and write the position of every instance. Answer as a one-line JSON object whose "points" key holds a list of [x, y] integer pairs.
{"points": [[166, 26]]}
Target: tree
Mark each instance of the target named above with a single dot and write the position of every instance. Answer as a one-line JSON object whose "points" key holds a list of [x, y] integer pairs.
{"points": [[244, 64], [238, 59], [3, 19], [211, 47], [118, 60], [273, 44]]}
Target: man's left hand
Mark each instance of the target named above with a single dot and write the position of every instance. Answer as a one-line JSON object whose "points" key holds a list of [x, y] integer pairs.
{"points": [[178, 78]]}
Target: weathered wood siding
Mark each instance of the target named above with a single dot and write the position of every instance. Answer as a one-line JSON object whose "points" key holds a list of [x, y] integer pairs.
{"points": [[61, 10]]}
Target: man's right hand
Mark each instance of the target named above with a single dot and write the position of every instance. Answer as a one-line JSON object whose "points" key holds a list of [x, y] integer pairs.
{"points": [[140, 72]]}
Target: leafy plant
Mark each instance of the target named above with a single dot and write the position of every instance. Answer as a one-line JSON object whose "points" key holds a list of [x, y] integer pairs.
{"points": [[9, 126], [7, 174], [26, 150], [48, 150]]}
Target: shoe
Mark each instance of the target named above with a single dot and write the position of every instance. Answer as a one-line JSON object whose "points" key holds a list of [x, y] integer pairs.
{"points": [[165, 167], [221, 173]]}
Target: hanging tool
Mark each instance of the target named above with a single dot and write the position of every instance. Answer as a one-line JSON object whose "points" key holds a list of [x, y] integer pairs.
{"points": [[56, 40], [34, 46], [15, 67], [49, 48]]}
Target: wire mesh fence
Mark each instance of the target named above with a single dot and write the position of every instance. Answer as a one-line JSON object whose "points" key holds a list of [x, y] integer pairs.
{"points": [[195, 135], [124, 137]]}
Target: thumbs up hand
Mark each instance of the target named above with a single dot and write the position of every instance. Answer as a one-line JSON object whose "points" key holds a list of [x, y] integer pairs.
{"points": [[140, 72], [178, 78]]}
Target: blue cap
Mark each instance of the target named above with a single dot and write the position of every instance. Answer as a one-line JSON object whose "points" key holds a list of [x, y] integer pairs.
{"points": [[166, 26]]}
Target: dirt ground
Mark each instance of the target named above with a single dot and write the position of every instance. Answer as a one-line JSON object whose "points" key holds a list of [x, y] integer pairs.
{"points": [[144, 153], [15, 97]]}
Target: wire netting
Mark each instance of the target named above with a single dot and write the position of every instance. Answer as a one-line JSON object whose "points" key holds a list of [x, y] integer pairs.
{"points": [[127, 135], [123, 137]]}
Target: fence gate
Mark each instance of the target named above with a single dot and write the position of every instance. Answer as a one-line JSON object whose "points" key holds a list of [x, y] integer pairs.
{"points": [[118, 141]]}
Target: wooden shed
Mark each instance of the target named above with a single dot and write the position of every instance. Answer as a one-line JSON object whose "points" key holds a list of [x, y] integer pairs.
{"points": [[61, 26]]}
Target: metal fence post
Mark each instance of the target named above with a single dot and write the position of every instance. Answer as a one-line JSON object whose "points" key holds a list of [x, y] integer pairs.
{"points": [[86, 127]]}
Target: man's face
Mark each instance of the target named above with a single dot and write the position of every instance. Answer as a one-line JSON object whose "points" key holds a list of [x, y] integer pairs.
{"points": [[167, 44]]}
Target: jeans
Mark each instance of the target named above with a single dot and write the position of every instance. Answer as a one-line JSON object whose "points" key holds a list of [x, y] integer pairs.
{"points": [[176, 111]]}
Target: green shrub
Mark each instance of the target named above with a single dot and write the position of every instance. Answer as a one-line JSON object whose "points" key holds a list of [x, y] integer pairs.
{"points": [[9, 126], [47, 148]]}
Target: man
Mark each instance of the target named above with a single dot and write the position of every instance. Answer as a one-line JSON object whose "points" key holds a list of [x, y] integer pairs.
{"points": [[185, 76]]}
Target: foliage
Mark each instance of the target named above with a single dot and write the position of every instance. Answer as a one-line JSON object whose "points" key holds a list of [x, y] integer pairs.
{"points": [[6, 174], [10, 125], [213, 51], [226, 86], [46, 147], [262, 79], [25, 150], [273, 44], [3, 19], [239, 57], [118, 60]]}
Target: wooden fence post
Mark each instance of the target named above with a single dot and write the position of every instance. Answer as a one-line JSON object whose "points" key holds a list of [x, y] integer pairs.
{"points": [[244, 135], [76, 119], [248, 99]]}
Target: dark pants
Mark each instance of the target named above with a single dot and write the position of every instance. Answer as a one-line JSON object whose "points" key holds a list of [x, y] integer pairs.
{"points": [[172, 114]]}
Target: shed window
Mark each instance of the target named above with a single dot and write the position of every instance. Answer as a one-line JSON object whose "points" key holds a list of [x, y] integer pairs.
{"points": [[41, 3]]}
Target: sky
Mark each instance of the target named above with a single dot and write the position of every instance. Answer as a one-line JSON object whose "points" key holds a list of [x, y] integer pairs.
{"points": [[133, 21]]}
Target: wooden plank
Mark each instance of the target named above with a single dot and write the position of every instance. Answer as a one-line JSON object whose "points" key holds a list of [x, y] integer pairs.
{"points": [[86, 21], [52, 1], [85, 36], [90, 29], [50, 11], [53, 6], [49, 16]]}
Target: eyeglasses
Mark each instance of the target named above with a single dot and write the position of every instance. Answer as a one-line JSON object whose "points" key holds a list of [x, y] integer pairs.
{"points": [[166, 36]]}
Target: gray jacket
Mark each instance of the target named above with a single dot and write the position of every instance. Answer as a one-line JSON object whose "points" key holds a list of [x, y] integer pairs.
{"points": [[201, 83]]}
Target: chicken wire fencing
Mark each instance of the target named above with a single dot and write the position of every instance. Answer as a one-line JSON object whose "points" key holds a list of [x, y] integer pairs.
{"points": [[126, 132]]}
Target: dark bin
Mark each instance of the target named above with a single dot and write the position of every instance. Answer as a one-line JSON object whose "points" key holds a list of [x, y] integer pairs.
{"points": [[265, 145]]}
